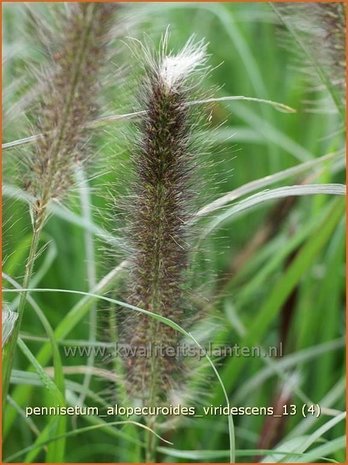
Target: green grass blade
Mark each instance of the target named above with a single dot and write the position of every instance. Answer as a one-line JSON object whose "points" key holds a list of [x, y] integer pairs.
{"points": [[167, 322], [286, 284], [56, 450], [260, 198]]}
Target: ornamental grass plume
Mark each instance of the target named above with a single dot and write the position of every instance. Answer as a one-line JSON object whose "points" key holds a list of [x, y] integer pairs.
{"points": [[158, 234], [67, 104], [319, 29], [332, 18]]}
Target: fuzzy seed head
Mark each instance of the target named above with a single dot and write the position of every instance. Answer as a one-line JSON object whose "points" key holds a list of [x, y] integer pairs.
{"points": [[159, 216], [320, 28], [68, 102]]}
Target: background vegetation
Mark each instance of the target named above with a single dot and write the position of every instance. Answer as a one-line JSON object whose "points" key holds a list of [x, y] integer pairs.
{"points": [[271, 273]]}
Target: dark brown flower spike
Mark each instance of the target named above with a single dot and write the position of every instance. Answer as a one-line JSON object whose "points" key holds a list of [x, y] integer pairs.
{"points": [[159, 215]]}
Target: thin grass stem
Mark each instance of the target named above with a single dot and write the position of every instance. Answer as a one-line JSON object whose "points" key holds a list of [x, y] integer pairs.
{"points": [[8, 356]]}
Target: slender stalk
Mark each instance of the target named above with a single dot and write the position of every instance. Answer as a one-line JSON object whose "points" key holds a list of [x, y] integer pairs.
{"points": [[8, 356], [150, 450], [91, 274]]}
